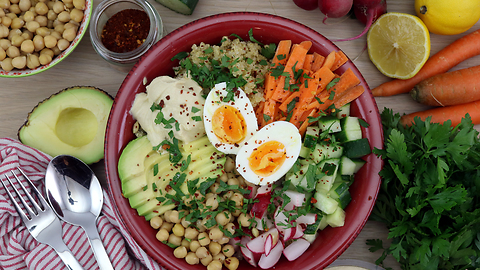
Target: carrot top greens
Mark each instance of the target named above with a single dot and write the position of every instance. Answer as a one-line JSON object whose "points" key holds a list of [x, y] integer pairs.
{"points": [[430, 194]]}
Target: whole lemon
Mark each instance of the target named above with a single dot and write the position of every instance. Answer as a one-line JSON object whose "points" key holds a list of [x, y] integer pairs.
{"points": [[448, 17]]}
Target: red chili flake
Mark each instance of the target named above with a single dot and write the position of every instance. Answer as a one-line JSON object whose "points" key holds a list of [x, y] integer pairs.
{"points": [[126, 30], [313, 200]]}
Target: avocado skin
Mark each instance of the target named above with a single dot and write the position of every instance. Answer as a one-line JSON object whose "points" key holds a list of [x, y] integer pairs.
{"points": [[50, 146]]}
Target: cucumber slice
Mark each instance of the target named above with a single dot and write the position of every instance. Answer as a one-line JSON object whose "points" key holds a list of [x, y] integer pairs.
{"points": [[340, 192], [351, 129], [329, 169], [337, 218], [304, 152], [326, 151], [357, 148], [344, 111], [185, 7], [350, 166], [324, 202], [311, 137], [331, 124]]}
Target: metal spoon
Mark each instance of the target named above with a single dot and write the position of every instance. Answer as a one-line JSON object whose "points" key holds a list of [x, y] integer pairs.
{"points": [[76, 196]]}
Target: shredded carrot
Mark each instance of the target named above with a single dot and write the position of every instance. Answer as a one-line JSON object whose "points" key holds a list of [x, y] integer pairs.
{"points": [[280, 58], [318, 60], [329, 60], [340, 59]]}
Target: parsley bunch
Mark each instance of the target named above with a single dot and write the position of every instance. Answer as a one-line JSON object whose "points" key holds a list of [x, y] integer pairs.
{"points": [[430, 194]]}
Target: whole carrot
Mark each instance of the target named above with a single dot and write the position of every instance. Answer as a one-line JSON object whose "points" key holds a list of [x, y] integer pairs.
{"points": [[450, 56], [451, 88], [454, 113]]}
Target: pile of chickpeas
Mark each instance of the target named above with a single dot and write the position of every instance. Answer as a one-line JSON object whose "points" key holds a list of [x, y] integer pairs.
{"points": [[33, 32], [195, 242]]}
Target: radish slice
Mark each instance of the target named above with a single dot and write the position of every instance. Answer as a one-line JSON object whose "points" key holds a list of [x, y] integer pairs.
{"points": [[268, 244], [247, 253], [309, 218], [299, 229], [264, 223], [257, 244], [289, 233], [296, 249], [260, 207], [266, 262], [253, 192], [280, 219], [264, 190], [296, 198]]}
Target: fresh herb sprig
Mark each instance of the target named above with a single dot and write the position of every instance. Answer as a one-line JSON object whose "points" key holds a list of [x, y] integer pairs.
{"points": [[430, 194]]}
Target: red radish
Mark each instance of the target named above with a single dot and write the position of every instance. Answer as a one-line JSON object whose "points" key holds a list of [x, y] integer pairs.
{"points": [[367, 13], [268, 244], [253, 192], [264, 222], [257, 244], [334, 8], [308, 218], [288, 233], [299, 229], [296, 199], [259, 208], [269, 261], [281, 220], [306, 4], [247, 253], [296, 249], [263, 190]]}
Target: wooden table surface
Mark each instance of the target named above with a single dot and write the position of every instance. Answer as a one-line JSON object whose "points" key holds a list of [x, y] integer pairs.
{"points": [[85, 67]]}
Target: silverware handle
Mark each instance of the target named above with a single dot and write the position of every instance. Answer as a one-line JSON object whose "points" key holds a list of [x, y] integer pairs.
{"points": [[69, 260], [99, 251]]}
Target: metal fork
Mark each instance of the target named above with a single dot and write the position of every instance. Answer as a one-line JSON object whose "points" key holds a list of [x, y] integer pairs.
{"points": [[40, 220]]}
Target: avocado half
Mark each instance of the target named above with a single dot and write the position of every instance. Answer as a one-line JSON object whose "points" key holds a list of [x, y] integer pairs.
{"points": [[70, 122]]}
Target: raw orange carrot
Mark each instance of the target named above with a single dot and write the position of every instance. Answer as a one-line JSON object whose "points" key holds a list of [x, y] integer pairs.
{"points": [[325, 76], [280, 58], [305, 123], [284, 104], [308, 62], [318, 60], [348, 96], [259, 113], [450, 56], [450, 88], [307, 44], [455, 113], [269, 111], [295, 61], [307, 93], [340, 59], [329, 60]]}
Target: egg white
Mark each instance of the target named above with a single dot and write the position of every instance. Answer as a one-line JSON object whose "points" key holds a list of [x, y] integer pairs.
{"points": [[241, 102], [280, 131]]}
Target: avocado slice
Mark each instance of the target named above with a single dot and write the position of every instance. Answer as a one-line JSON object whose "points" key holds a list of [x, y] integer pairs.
{"points": [[145, 173], [72, 122]]}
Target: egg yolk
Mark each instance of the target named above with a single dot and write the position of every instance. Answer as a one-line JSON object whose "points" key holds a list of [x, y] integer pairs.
{"points": [[228, 124], [267, 158]]}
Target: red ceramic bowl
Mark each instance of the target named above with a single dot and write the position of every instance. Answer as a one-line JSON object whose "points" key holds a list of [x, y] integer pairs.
{"points": [[266, 28]]}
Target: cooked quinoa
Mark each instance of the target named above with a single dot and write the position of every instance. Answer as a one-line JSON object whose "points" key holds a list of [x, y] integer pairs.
{"points": [[248, 63]]}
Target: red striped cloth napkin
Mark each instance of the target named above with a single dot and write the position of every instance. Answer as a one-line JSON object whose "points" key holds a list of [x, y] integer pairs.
{"points": [[20, 251]]}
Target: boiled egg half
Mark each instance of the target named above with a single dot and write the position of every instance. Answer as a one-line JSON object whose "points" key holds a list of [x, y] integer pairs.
{"points": [[270, 153], [229, 118]]}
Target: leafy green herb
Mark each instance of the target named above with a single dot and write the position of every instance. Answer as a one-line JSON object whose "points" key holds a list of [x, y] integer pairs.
{"points": [[430, 194], [155, 107], [195, 109], [180, 56], [155, 169], [197, 118], [332, 83], [208, 50], [185, 163], [173, 150]]}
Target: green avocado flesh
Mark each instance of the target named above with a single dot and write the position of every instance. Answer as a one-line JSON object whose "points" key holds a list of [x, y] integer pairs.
{"points": [[70, 122], [145, 190]]}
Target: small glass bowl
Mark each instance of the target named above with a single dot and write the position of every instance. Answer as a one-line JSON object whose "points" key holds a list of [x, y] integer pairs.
{"points": [[106, 9]]}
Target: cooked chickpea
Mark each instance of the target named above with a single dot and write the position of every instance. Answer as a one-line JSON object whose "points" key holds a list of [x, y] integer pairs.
{"points": [[38, 42], [69, 34], [202, 252], [244, 219], [191, 258], [45, 59], [214, 187], [12, 51], [214, 248], [237, 198], [255, 232], [207, 260], [178, 230], [4, 4], [24, 5], [185, 223], [60, 27], [175, 240], [15, 9], [228, 250], [17, 23], [27, 34], [230, 227], [56, 35], [174, 216], [6, 64], [191, 233], [203, 239], [41, 8], [185, 243], [17, 40], [231, 263], [180, 252], [229, 164], [76, 15], [5, 43], [194, 245], [167, 226], [156, 222], [3, 54], [223, 177], [14, 32], [80, 4], [42, 20], [219, 257], [212, 202], [4, 31], [28, 16], [233, 182], [223, 240], [42, 31], [27, 46], [58, 7], [32, 61], [215, 234], [50, 41], [223, 218], [215, 265], [162, 235], [227, 195], [199, 224], [64, 16]]}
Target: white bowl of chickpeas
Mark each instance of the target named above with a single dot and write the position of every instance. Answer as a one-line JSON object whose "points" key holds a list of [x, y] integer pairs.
{"points": [[35, 35]]}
